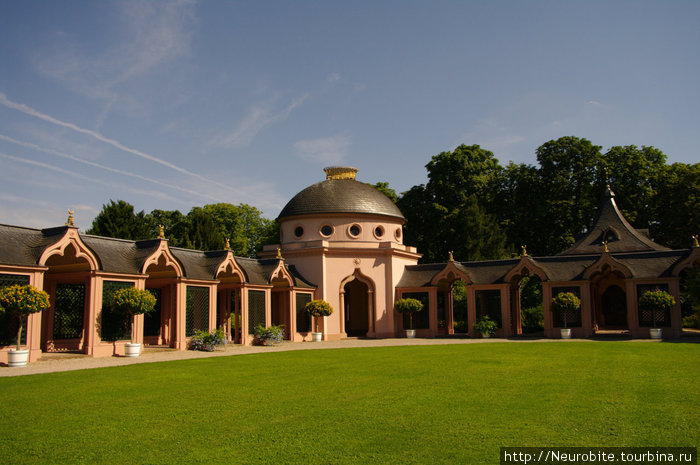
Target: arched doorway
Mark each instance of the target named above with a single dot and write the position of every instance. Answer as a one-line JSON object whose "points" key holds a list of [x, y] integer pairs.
{"points": [[612, 313], [356, 308]]}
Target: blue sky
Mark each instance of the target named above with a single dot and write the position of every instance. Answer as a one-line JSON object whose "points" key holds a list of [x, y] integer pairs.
{"points": [[173, 105]]}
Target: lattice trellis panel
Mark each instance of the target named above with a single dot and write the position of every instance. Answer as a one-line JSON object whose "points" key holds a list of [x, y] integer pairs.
{"points": [[421, 320], [663, 318], [256, 309], [303, 318], [68, 311], [113, 325], [197, 312], [151, 321], [8, 323]]}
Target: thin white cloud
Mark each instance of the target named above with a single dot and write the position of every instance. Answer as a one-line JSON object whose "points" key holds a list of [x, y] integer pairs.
{"points": [[327, 150], [491, 135], [106, 168], [116, 144], [258, 117], [333, 77]]}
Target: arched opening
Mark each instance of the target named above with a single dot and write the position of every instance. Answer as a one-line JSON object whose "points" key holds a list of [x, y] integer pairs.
{"points": [[228, 308], [690, 296], [612, 312], [527, 312], [356, 308], [159, 325], [68, 282]]}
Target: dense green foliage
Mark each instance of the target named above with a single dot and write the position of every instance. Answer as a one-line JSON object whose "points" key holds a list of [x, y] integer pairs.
{"points": [[486, 326], [658, 302], [487, 211], [207, 341], [22, 300], [565, 302], [269, 335], [409, 306], [383, 405], [132, 301], [203, 228], [318, 308]]}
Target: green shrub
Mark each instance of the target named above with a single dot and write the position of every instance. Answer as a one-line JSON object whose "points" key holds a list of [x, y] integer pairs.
{"points": [[132, 301], [409, 306], [318, 308], [486, 326], [21, 301], [565, 302], [270, 335], [656, 301], [460, 326], [532, 319]]}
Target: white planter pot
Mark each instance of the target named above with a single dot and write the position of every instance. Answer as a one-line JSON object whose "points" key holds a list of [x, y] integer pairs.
{"points": [[655, 333], [565, 333], [17, 358], [485, 336], [132, 349], [316, 337], [410, 333]]}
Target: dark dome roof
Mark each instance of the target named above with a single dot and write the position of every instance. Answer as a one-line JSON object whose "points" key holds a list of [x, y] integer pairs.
{"points": [[340, 193]]}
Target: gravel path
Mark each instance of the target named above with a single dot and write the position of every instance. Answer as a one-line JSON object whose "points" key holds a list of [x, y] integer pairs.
{"points": [[50, 363]]}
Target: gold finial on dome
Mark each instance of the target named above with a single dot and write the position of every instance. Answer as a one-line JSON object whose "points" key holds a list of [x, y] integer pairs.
{"points": [[161, 232], [695, 241], [605, 246], [227, 246], [70, 221], [340, 172], [523, 250], [451, 256], [279, 254]]}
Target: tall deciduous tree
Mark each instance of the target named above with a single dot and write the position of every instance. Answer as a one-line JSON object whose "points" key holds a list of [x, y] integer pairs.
{"points": [[117, 219]]}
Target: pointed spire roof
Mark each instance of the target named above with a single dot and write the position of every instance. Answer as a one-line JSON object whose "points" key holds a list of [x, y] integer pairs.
{"points": [[612, 227]]}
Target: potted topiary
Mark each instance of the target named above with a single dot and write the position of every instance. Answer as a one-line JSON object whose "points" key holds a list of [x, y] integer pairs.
{"points": [[409, 306], [131, 301], [486, 326], [318, 309], [563, 303], [656, 301], [21, 301]]}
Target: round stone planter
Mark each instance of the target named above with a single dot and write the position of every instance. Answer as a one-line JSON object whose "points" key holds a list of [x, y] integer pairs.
{"points": [[132, 349], [485, 336], [410, 333], [316, 337], [17, 358], [565, 333], [656, 333]]}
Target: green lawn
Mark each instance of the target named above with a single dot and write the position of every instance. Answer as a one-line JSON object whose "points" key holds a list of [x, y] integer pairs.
{"points": [[448, 404]]}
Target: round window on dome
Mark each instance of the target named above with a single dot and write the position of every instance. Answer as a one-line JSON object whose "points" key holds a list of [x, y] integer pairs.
{"points": [[326, 230], [379, 232], [354, 230], [298, 231], [397, 233]]}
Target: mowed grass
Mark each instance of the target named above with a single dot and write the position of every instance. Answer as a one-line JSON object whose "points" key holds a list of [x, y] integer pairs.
{"points": [[448, 404]]}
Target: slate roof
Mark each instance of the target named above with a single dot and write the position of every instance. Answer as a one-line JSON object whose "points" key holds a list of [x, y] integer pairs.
{"points": [[23, 247], [624, 237], [340, 196]]}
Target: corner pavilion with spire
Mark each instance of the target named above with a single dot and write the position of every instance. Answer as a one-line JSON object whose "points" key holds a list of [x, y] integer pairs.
{"points": [[341, 240]]}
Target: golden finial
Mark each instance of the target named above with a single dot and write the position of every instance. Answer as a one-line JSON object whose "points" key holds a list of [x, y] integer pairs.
{"points": [[524, 250], [451, 254], [70, 221], [228, 245], [340, 172], [279, 254], [695, 241], [605, 246], [161, 231]]}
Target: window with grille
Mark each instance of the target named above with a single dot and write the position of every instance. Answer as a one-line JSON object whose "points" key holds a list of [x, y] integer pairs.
{"points": [[114, 325], [197, 310], [573, 317], [256, 309], [151, 320], [303, 317], [421, 320], [68, 311], [488, 303], [663, 318], [9, 324]]}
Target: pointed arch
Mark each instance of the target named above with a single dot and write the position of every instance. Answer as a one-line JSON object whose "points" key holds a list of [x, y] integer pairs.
{"points": [[450, 273], [71, 241], [607, 264], [526, 266], [231, 268], [163, 257], [357, 274], [690, 261], [364, 303], [280, 275]]}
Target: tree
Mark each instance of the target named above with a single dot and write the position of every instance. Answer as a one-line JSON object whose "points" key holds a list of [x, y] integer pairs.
{"points": [[117, 219], [173, 223], [460, 193], [571, 172], [384, 188], [676, 205]]}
